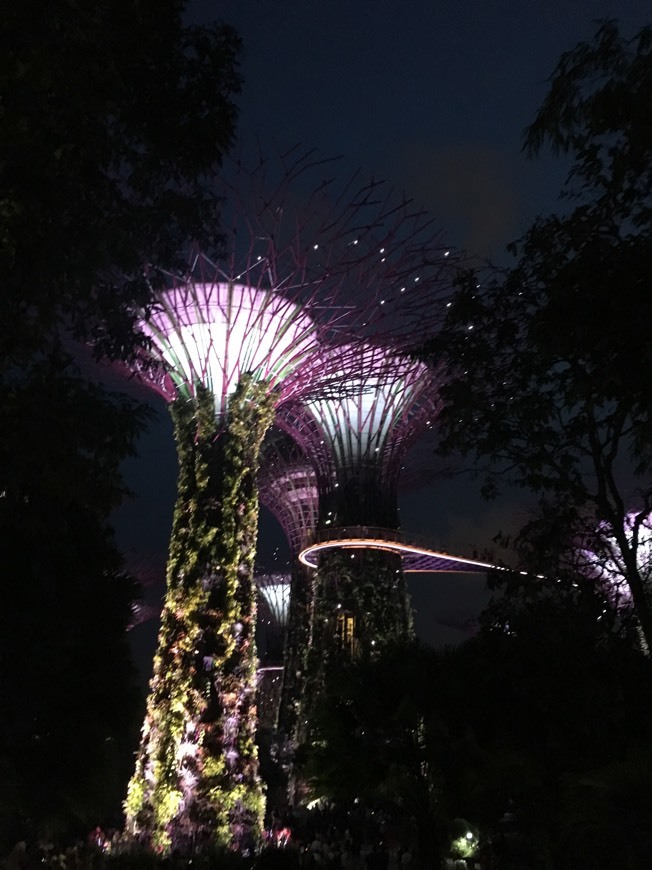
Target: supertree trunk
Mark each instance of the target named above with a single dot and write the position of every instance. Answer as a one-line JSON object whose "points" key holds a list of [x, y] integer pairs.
{"points": [[196, 778], [361, 606]]}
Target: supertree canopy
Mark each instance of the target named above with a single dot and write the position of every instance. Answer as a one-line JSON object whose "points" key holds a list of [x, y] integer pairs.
{"points": [[229, 343]]}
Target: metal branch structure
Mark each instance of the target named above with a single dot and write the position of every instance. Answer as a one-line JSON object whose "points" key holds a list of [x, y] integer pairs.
{"points": [[230, 343], [287, 484]]}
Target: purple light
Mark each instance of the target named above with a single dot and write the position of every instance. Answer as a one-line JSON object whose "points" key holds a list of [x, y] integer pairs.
{"points": [[213, 333], [603, 559], [288, 488]]}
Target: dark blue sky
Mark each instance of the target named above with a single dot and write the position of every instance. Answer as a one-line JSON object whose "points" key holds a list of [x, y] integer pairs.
{"points": [[433, 97]]}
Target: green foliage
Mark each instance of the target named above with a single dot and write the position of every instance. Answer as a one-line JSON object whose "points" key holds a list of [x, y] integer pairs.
{"points": [[66, 678], [361, 606], [70, 699], [114, 116], [548, 361], [367, 738], [554, 698], [546, 713], [197, 771]]}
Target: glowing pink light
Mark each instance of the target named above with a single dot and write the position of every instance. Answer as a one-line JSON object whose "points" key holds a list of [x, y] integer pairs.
{"points": [[213, 333], [605, 563]]}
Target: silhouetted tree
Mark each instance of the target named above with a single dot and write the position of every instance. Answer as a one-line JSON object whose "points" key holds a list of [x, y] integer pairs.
{"points": [[549, 360], [115, 117]]}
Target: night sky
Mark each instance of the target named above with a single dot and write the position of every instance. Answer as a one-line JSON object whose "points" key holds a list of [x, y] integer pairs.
{"points": [[433, 97]]}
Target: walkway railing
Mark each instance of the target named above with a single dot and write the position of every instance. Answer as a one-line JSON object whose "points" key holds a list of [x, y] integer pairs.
{"points": [[417, 551]]}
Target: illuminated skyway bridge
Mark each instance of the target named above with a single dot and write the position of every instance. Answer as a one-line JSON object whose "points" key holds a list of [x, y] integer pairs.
{"points": [[417, 553]]}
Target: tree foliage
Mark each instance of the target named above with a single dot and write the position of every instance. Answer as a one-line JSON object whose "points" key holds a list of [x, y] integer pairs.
{"points": [[544, 714], [115, 117], [549, 360]]}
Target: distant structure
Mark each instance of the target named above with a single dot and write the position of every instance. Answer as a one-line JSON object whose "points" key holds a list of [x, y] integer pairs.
{"points": [[288, 489], [274, 601], [230, 343]]}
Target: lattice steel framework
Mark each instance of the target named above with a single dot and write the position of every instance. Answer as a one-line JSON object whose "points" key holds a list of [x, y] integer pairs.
{"points": [[287, 484]]}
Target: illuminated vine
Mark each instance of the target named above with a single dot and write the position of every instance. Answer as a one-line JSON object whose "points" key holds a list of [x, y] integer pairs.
{"points": [[197, 771]]}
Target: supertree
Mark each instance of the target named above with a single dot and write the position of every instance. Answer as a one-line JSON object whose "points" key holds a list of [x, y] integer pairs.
{"points": [[228, 344], [358, 442]]}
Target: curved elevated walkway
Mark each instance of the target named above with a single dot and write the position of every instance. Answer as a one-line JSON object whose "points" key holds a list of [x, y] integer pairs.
{"points": [[417, 554]]}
